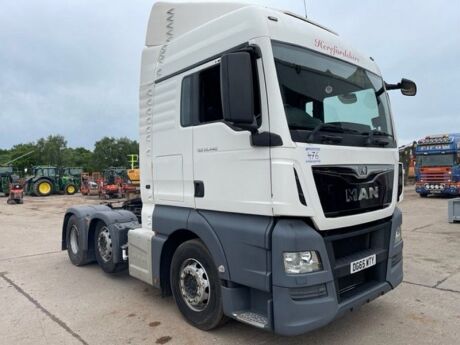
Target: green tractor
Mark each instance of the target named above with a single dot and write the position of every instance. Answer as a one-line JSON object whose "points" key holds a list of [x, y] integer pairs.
{"points": [[47, 180], [74, 172], [6, 174]]}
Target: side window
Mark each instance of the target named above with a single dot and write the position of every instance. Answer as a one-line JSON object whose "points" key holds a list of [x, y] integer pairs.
{"points": [[201, 99], [186, 116], [210, 99]]}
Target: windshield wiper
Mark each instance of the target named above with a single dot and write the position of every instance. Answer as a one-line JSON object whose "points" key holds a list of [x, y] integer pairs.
{"points": [[328, 127], [372, 140]]}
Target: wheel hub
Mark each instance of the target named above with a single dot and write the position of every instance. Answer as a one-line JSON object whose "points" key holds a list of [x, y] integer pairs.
{"points": [[74, 239], [104, 244], [194, 285]]}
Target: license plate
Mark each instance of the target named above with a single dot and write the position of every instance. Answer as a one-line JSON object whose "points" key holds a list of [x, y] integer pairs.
{"points": [[362, 264]]}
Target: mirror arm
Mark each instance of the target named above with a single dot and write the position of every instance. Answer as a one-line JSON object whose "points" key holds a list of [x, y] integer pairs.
{"points": [[393, 86], [252, 127]]}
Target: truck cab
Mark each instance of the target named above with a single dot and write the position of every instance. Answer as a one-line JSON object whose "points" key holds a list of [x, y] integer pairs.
{"points": [[269, 172], [438, 165]]}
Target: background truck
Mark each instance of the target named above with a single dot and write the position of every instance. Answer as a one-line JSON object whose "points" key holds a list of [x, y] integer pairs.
{"points": [[269, 172], [438, 165], [48, 180]]}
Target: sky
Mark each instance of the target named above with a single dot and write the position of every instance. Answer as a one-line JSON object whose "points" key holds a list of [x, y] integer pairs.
{"points": [[71, 67]]}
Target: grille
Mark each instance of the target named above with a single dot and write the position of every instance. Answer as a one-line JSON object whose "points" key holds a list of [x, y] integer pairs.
{"points": [[348, 245], [435, 177], [343, 192]]}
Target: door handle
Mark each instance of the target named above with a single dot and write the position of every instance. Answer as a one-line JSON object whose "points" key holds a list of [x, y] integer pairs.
{"points": [[199, 189]]}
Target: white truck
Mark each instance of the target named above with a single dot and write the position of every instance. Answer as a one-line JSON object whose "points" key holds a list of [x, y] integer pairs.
{"points": [[269, 172]]}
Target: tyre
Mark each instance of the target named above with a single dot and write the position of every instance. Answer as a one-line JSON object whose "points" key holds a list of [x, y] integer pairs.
{"points": [[70, 189], [43, 188], [196, 286], [424, 195], [73, 240], [103, 248]]}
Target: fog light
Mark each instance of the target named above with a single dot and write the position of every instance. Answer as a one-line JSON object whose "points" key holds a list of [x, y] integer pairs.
{"points": [[302, 262], [398, 235]]}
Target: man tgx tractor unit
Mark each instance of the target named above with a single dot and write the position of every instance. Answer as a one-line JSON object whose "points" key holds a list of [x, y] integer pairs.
{"points": [[438, 165], [269, 172]]}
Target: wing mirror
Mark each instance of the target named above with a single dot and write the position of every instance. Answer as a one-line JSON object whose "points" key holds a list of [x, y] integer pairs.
{"points": [[237, 89], [407, 87]]}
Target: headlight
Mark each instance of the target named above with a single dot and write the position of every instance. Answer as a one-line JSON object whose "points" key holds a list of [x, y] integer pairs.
{"points": [[398, 235], [302, 262]]}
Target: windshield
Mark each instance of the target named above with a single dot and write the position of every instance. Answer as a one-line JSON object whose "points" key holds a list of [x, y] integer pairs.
{"points": [[436, 160], [323, 94]]}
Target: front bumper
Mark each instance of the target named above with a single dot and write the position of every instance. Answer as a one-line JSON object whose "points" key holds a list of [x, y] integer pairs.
{"points": [[426, 189], [305, 302]]}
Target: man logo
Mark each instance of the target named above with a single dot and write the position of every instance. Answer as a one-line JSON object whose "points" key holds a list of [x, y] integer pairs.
{"points": [[362, 170], [359, 194]]}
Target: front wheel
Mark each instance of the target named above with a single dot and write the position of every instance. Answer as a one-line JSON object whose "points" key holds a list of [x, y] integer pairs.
{"points": [[196, 286], [424, 195], [70, 189]]}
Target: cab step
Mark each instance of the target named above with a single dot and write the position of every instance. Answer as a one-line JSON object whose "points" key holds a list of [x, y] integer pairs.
{"points": [[251, 318]]}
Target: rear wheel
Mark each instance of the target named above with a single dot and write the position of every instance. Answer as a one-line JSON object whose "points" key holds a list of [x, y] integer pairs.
{"points": [[196, 286], [73, 240], [103, 246], [70, 189], [43, 188]]}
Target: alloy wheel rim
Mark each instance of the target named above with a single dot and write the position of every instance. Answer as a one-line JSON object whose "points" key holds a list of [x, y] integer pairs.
{"points": [[74, 239], [104, 244], [194, 285]]}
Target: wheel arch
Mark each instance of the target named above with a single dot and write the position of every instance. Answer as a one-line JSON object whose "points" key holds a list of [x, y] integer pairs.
{"points": [[167, 252], [84, 215], [175, 226], [41, 178]]}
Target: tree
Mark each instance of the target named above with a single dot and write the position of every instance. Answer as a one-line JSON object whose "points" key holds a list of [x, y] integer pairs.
{"points": [[78, 157], [29, 155], [113, 152], [51, 150]]}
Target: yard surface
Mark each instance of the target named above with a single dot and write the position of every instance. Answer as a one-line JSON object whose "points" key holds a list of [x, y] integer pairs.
{"points": [[44, 299]]}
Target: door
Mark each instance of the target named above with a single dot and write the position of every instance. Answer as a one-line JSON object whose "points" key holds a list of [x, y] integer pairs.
{"points": [[230, 174]]}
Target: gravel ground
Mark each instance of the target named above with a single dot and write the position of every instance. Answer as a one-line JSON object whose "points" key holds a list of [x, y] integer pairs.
{"points": [[46, 300]]}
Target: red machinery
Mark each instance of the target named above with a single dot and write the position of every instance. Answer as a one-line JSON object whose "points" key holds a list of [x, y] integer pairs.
{"points": [[16, 195], [90, 183], [112, 182]]}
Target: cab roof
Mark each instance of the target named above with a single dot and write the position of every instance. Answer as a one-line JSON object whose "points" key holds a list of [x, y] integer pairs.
{"points": [[169, 20], [188, 29]]}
